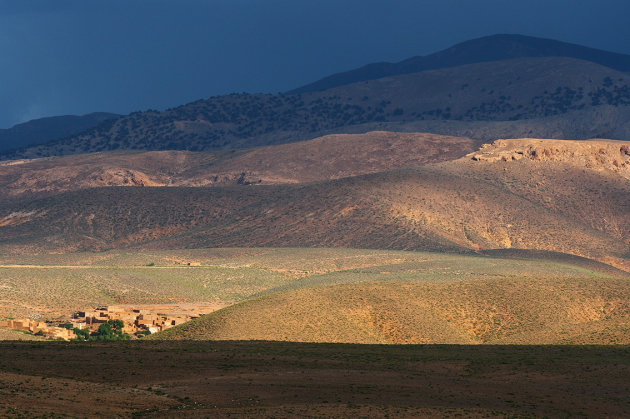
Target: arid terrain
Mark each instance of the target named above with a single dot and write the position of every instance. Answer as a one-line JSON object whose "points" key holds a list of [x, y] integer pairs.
{"points": [[338, 295], [564, 196], [325, 158], [446, 236], [267, 379]]}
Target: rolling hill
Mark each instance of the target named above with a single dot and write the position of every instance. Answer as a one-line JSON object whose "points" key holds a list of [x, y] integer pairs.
{"points": [[549, 97], [489, 48], [325, 158], [565, 196], [453, 300], [486, 311], [337, 295]]}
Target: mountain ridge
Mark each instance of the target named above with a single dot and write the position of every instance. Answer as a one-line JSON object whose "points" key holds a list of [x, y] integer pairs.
{"points": [[43, 130], [552, 95], [324, 158], [489, 48]]}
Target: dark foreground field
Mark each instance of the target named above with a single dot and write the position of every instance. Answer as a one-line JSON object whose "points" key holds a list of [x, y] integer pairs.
{"points": [[219, 379]]}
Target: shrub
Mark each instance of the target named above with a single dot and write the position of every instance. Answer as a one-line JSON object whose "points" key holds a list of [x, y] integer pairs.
{"points": [[81, 334]]}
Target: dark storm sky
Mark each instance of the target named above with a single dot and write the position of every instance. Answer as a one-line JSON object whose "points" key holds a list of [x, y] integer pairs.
{"points": [[79, 56]]}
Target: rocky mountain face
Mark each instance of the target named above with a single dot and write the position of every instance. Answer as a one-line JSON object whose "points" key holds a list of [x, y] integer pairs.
{"points": [[601, 155]]}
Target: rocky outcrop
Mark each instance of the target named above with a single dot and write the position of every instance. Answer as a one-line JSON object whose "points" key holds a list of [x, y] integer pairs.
{"points": [[593, 154]]}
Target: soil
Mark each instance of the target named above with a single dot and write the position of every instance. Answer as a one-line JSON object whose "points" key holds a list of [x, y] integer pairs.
{"points": [[271, 379]]}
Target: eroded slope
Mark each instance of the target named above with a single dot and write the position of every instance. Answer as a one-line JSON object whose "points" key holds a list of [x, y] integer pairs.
{"points": [[567, 204], [325, 158]]}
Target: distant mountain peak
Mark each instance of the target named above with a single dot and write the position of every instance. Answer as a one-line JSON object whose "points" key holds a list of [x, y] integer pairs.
{"points": [[42, 130], [488, 48]]}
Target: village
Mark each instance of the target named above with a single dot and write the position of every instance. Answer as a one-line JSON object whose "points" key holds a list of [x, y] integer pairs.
{"points": [[138, 320]]}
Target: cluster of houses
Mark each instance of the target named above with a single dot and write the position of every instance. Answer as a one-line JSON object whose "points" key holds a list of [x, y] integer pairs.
{"points": [[39, 328], [150, 318]]}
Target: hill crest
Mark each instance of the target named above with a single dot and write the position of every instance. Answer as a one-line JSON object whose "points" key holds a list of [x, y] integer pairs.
{"points": [[547, 96], [489, 48], [43, 130], [594, 154], [321, 159]]}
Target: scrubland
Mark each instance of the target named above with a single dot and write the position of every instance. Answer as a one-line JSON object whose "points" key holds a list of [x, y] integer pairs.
{"points": [[437, 304], [338, 295]]}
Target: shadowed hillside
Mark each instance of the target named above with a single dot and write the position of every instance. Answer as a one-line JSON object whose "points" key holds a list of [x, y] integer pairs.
{"points": [[489, 48], [285, 379], [39, 131], [550, 97]]}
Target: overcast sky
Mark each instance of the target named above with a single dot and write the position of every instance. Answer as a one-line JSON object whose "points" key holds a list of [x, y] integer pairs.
{"points": [[79, 56]]}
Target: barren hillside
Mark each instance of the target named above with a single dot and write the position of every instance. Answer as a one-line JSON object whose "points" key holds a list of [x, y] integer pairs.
{"points": [[561, 205], [325, 158]]}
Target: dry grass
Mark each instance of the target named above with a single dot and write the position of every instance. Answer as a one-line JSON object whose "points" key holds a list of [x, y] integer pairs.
{"points": [[497, 310], [57, 285], [441, 299], [6, 334]]}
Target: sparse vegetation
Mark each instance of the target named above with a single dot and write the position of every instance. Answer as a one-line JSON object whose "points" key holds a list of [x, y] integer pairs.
{"points": [[498, 91], [280, 379], [233, 275], [538, 202], [415, 305]]}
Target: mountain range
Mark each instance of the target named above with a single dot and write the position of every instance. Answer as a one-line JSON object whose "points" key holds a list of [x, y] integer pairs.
{"points": [[43, 130], [489, 48], [495, 87], [395, 162]]}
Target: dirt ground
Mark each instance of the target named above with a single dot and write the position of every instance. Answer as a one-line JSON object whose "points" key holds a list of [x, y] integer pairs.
{"points": [[269, 379]]}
